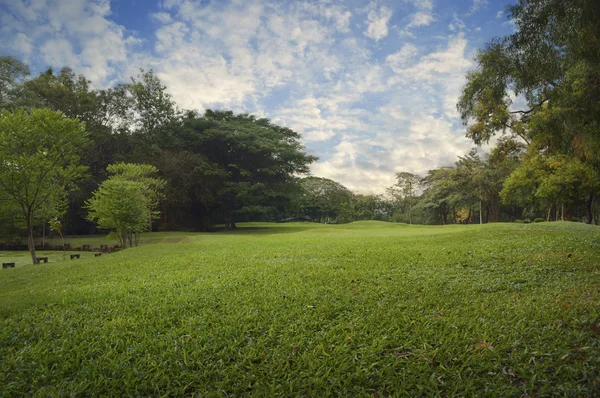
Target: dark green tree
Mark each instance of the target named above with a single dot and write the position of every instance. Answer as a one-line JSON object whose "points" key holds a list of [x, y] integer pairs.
{"points": [[322, 198]]}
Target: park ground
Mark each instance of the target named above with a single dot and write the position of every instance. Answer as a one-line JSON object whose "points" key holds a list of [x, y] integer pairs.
{"points": [[363, 309]]}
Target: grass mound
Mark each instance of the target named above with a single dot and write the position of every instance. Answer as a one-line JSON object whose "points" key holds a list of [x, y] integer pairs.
{"points": [[363, 309]]}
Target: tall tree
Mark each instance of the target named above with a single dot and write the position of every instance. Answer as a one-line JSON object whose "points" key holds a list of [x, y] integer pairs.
{"points": [[39, 162], [552, 61], [408, 184]]}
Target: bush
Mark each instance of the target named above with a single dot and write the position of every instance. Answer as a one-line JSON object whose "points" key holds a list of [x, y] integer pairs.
{"points": [[539, 220], [522, 221]]}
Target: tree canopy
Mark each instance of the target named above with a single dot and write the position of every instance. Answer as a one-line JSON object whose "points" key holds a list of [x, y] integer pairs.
{"points": [[39, 163]]}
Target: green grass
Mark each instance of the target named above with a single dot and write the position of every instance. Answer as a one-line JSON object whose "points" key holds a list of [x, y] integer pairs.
{"points": [[364, 309]]}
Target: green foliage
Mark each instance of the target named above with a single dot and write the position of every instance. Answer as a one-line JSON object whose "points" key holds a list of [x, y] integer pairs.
{"points": [[549, 181], [255, 161], [552, 62], [312, 309], [322, 199], [127, 201], [39, 164], [12, 72], [152, 106]]}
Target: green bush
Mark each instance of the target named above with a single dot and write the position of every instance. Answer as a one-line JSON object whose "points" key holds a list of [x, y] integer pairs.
{"points": [[539, 219]]}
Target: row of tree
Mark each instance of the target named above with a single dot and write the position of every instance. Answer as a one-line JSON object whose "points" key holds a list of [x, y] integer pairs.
{"points": [[546, 163], [217, 167]]}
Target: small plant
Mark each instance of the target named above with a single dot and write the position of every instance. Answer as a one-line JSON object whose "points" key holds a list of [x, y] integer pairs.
{"points": [[539, 219]]}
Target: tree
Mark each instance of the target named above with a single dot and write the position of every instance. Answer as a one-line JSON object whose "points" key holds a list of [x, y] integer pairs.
{"points": [[151, 187], [471, 173], [554, 183], [11, 73], [39, 155], [256, 161], [154, 113], [323, 198], [552, 61], [407, 184], [126, 201], [437, 199]]}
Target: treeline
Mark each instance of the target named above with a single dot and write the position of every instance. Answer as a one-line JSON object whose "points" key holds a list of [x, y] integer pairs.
{"points": [[546, 163], [219, 167]]}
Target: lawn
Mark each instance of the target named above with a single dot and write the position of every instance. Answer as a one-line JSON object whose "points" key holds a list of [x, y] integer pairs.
{"points": [[365, 309]]}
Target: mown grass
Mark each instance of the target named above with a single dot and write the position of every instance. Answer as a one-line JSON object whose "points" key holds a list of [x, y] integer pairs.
{"points": [[94, 241], [365, 309]]}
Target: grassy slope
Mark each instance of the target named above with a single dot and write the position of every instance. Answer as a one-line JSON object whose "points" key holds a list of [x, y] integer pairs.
{"points": [[366, 309]]}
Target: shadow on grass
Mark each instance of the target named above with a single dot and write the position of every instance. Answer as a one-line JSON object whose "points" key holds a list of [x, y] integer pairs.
{"points": [[269, 229]]}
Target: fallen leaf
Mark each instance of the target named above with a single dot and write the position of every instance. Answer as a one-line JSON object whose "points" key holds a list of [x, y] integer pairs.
{"points": [[482, 344]]}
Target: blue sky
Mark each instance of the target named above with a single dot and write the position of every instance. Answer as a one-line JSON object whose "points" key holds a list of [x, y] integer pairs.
{"points": [[371, 85]]}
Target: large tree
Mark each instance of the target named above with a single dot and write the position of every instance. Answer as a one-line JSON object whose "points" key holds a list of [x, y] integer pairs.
{"points": [[552, 62], [39, 163], [407, 185], [322, 199], [257, 163]]}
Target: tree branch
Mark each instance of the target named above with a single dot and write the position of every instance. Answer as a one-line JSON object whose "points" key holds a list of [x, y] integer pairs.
{"points": [[529, 110]]}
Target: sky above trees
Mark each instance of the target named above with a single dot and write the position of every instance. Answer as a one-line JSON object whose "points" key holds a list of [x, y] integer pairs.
{"points": [[371, 86]]}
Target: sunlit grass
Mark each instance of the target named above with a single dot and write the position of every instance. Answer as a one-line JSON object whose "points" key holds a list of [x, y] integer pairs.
{"points": [[363, 309]]}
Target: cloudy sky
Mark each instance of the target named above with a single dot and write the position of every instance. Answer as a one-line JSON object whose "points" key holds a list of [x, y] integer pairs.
{"points": [[371, 85]]}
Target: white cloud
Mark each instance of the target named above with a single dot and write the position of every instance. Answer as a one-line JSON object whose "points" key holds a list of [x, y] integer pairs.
{"points": [[423, 16], [477, 5], [377, 27], [75, 33], [499, 14], [398, 60], [162, 17], [457, 24]]}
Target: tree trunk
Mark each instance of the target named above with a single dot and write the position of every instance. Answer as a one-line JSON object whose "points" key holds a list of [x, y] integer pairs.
{"points": [[480, 213], [588, 205], [30, 242], [149, 220]]}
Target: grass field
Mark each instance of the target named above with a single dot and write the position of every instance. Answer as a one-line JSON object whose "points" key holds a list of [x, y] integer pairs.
{"points": [[364, 309]]}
